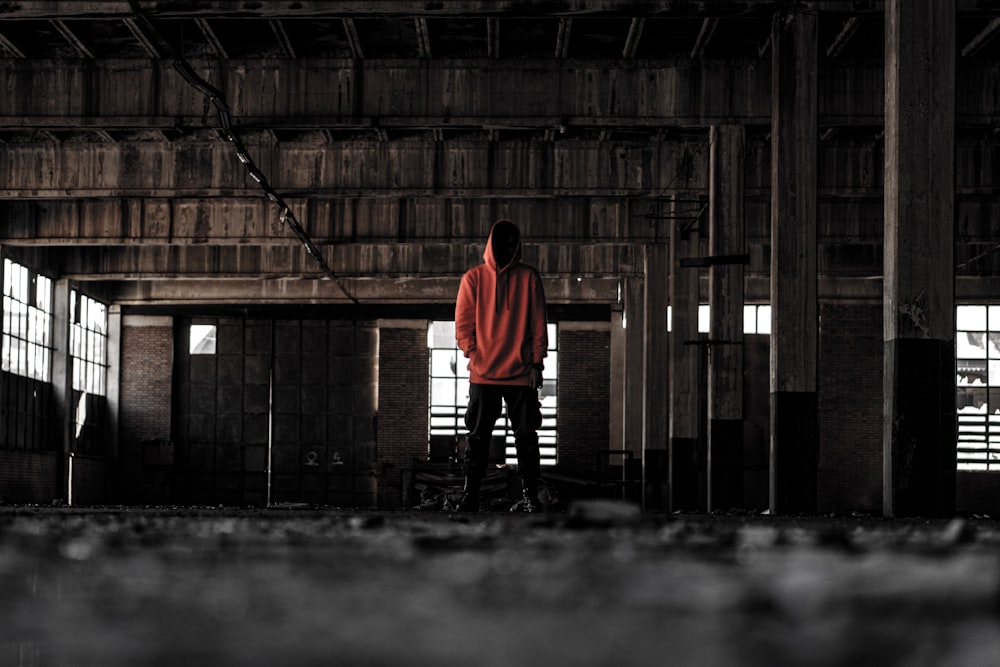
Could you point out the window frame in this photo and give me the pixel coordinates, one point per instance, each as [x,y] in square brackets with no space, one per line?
[446,418]
[88,343]
[977,387]
[28,299]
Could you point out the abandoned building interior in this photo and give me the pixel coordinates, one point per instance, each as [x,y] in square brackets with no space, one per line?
[232,235]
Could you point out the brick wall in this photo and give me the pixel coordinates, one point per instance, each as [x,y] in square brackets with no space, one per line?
[146,374]
[584,403]
[850,407]
[402,404]
[28,477]
[147,351]
[91,482]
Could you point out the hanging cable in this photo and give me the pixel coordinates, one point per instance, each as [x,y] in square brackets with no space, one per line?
[218,100]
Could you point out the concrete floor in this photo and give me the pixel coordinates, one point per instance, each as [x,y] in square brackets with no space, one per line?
[598,585]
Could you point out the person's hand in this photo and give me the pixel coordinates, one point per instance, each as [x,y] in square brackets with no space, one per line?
[535,379]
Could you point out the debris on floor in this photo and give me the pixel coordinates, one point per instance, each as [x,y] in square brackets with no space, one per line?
[602,584]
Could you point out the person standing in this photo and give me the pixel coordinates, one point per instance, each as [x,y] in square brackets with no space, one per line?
[500,326]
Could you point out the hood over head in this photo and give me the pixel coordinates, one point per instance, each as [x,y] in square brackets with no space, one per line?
[503,248]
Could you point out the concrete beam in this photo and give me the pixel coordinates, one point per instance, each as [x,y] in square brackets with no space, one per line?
[322,291]
[404,260]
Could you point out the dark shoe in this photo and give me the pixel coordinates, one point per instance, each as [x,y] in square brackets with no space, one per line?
[468,503]
[525,504]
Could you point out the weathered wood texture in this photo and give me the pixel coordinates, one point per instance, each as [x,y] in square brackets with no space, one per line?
[251,220]
[321,8]
[398,168]
[132,94]
[332,93]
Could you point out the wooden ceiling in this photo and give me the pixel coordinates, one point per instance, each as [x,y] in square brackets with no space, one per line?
[395,131]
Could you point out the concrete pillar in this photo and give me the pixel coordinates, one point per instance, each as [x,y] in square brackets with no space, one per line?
[634,318]
[794,146]
[655,472]
[62,381]
[616,411]
[918,288]
[725,352]
[114,377]
[685,372]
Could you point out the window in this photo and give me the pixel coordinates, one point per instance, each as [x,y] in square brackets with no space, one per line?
[88,342]
[27,322]
[449,393]
[202,339]
[977,361]
[756,319]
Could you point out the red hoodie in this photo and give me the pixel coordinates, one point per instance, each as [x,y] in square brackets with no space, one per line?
[500,319]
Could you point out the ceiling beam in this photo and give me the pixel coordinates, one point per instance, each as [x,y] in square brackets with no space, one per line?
[278,28]
[72,38]
[342,93]
[347,260]
[847,31]
[213,39]
[138,31]
[562,38]
[701,42]
[33,9]
[492,37]
[11,46]
[633,38]
[981,39]
[311,291]
[423,38]
[351,32]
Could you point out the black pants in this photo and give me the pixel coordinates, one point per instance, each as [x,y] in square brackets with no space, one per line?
[525,415]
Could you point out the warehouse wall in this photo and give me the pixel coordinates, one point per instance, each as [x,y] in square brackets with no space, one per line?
[147,357]
[850,407]
[387,362]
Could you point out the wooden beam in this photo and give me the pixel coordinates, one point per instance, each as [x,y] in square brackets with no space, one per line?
[287,93]
[11,46]
[423,37]
[351,31]
[492,37]
[708,26]
[395,168]
[562,38]
[72,38]
[278,28]
[192,220]
[634,37]
[32,9]
[981,39]
[140,33]
[210,36]
[839,42]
